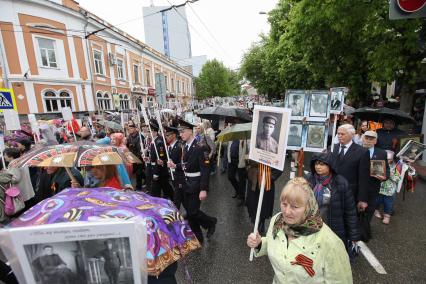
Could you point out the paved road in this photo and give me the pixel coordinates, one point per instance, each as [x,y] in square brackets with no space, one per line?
[400,246]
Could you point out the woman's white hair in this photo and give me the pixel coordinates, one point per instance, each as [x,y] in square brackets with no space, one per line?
[348,128]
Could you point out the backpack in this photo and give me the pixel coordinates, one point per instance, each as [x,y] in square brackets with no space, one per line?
[13,200]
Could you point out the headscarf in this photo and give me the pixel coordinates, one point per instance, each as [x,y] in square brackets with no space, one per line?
[310,224]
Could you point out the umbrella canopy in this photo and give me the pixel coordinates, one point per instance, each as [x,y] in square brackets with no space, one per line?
[348,110]
[236,132]
[225,112]
[74,154]
[379,114]
[169,237]
[111,124]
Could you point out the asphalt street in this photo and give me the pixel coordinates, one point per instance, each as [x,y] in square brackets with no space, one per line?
[400,247]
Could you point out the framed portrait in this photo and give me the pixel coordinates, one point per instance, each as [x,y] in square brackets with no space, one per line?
[337,96]
[79,252]
[402,140]
[378,168]
[269,135]
[411,151]
[318,104]
[316,136]
[296,101]
[295,135]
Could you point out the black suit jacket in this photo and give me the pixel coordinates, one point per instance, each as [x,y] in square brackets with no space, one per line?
[176,155]
[369,187]
[161,149]
[349,166]
[196,160]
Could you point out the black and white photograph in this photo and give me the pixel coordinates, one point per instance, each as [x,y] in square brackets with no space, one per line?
[411,151]
[377,168]
[337,99]
[318,106]
[296,102]
[66,255]
[295,134]
[316,135]
[269,135]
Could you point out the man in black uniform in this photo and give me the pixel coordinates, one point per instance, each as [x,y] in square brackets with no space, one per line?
[195,165]
[134,145]
[174,147]
[160,182]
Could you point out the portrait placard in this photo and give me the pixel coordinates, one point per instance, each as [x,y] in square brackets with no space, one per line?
[402,140]
[316,136]
[318,104]
[78,252]
[411,151]
[269,135]
[378,168]
[295,136]
[337,99]
[296,101]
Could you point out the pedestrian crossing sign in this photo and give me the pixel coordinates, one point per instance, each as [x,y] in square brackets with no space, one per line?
[7,99]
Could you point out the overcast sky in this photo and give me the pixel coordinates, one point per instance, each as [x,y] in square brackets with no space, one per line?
[234,23]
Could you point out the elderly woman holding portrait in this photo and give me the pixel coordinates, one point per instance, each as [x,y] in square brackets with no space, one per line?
[335,199]
[301,248]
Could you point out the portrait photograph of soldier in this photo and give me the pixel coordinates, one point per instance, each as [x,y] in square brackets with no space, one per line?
[411,151]
[318,104]
[336,105]
[268,132]
[295,135]
[296,102]
[315,136]
[377,168]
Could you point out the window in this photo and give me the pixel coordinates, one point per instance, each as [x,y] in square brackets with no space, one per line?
[99,66]
[150,101]
[173,85]
[183,87]
[124,101]
[167,83]
[47,52]
[120,70]
[178,86]
[104,101]
[54,103]
[148,77]
[136,73]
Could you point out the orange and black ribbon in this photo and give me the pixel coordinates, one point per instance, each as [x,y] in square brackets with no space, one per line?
[263,168]
[306,262]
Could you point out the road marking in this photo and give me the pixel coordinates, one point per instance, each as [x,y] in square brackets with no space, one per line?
[371,258]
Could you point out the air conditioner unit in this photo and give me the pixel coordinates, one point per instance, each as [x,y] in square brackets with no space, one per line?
[111,58]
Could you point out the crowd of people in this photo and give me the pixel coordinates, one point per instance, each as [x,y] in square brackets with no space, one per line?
[322,217]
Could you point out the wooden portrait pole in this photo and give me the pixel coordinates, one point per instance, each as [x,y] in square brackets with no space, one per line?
[300,159]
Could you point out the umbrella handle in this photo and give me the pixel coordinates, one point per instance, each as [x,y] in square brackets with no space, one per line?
[72,177]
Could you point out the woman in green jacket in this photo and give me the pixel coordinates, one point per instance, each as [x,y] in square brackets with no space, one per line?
[301,248]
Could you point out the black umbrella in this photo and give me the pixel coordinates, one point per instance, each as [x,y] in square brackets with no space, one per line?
[380,114]
[226,112]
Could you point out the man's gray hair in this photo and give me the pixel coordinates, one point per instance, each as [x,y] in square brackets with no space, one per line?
[348,128]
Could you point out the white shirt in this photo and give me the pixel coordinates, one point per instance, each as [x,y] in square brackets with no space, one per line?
[346,147]
[188,145]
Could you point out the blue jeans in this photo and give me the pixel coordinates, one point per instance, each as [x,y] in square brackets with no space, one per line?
[387,202]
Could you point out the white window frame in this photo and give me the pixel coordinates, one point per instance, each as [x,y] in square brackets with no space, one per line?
[99,63]
[55,51]
[104,101]
[48,101]
[124,101]
[136,72]
[120,67]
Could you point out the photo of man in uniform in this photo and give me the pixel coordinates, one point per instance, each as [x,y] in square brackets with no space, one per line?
[336,100]
[318,105]
[378,168]
[112,261]
[295,136]
[264,140]
[315,136]
[51,269]
[296,105]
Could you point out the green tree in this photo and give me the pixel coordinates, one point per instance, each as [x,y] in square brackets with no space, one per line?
[216,80]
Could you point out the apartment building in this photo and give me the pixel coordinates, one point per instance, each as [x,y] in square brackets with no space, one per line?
[56,54]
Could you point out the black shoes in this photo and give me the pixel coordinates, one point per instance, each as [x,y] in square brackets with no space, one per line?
[212,228]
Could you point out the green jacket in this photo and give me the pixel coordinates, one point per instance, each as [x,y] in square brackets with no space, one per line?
[330,259]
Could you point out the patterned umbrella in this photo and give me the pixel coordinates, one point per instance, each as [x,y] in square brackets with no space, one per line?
[169,237]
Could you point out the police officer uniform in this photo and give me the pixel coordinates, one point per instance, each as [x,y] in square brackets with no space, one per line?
[160,182]
[195,165]
[175,155]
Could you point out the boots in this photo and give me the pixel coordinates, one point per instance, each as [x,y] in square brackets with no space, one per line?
[386,219]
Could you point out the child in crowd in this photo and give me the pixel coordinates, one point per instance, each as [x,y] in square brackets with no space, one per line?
[388,190]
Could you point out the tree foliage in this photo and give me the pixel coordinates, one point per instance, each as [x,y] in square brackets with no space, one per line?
[216,80]
[320,44]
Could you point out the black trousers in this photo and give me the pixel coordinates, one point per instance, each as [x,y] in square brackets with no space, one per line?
[178,195]
[165,277]
[240,184]
[148,177]
[138,171]
[162,185]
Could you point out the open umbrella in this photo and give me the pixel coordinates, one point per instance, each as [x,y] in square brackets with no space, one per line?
[225,112]
[111,124]
[379,114]
[169,237]
[240,131]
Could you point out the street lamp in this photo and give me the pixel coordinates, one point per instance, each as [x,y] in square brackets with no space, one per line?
[262,13]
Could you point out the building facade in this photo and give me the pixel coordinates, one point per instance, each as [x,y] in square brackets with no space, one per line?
[56,54]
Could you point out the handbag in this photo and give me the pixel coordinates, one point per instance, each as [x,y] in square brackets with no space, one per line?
[13,200]
[365,228]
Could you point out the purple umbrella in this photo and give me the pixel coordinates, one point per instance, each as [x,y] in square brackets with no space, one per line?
[169,237]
